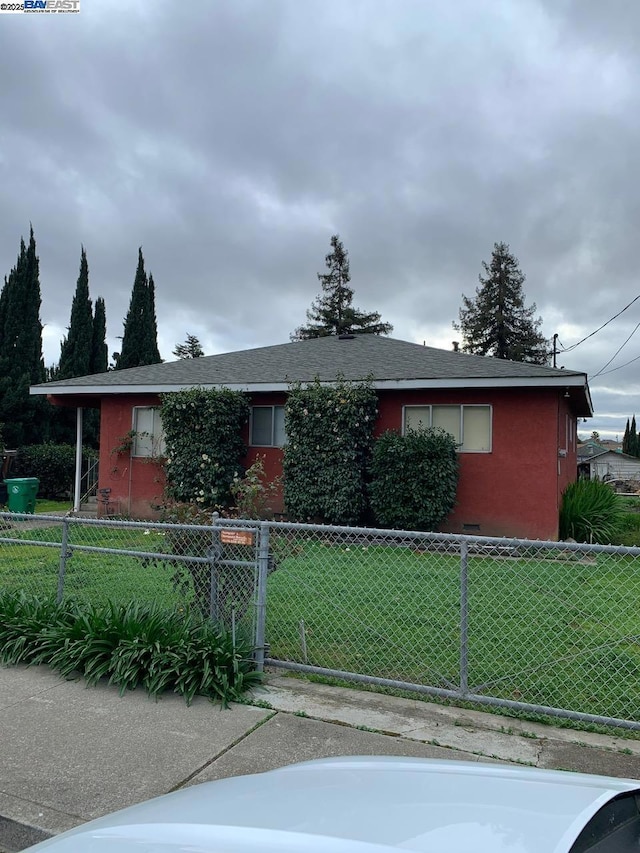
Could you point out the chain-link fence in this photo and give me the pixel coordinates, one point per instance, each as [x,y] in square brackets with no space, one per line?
[516,624]
[536,626]
[168,565]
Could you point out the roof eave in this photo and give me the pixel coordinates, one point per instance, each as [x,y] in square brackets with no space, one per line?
[566,380]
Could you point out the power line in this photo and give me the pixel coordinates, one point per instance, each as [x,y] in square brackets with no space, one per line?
[613,369]
[600,328]
[620,348]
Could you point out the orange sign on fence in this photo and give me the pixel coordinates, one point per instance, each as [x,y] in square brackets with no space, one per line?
[236,537]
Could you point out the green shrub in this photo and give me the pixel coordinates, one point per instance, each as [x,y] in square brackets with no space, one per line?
[329,442]
[204,445]
[132,645]
[414,478]
[589,512]
[53,464]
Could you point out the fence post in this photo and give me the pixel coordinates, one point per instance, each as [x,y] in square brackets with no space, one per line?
[261,595]
[464,617]
[214,554]
[64,554]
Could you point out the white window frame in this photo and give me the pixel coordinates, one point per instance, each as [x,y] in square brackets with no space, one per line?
[273,443]
[147,444]
[461,407]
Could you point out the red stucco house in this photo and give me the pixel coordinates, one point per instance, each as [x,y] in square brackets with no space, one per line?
[498,410]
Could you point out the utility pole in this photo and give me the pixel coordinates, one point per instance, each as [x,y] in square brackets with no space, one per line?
[555,348]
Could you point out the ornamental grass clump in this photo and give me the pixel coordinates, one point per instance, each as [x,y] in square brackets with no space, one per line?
[132,645]
[590,512]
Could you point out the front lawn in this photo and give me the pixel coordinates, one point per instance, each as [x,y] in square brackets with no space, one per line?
[543,629]
[553,632]
[94,577]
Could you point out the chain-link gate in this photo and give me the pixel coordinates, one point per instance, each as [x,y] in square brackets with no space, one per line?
[200,568]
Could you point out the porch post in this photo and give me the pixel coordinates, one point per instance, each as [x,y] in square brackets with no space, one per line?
[78,480]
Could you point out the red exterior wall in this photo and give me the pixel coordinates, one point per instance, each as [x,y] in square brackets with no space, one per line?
[271,456]
[136,484]
[514,490]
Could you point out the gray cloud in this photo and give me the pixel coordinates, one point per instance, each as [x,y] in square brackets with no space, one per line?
[231,138]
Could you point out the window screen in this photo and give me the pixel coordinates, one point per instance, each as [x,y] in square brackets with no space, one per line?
[448,419]
[149,436]
[476,428]
[417,417]
[469,425]
[267,426]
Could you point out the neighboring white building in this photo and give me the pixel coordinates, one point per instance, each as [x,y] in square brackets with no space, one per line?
[609,465]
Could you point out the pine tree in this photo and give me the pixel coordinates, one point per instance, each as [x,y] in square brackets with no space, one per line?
[98,362]
[75,352]
[332,312]
[140,338]
[25,419]
[191,348]
[496,322]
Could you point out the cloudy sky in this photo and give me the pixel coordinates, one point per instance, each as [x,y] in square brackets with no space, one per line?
[231,138]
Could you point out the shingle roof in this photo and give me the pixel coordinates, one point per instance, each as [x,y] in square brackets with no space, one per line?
[356,358]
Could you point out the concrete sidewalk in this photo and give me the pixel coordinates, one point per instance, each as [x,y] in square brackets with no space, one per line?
[69,753]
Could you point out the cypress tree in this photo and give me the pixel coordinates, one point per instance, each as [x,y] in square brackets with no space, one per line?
[75,352]
[80,355]
[153,353]
[25,419]
[634,445]
[625,440]
[140,338]
[98,362]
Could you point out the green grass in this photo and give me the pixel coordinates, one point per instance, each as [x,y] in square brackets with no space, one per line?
[45,506]
[540,631]
[629,520]
[94,577]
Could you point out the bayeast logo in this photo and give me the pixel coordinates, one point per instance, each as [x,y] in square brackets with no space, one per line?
[51,6]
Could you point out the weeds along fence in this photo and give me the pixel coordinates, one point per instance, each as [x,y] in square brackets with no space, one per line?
[543,627]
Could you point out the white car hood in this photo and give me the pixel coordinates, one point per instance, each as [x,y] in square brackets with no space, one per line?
[359,805]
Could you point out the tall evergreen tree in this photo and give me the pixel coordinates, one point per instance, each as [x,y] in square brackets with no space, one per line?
[75,352]
[99,360]
[496,322]
[191,348]
[332,312]
[140,338]
[25,419]
[83,352]
[625,439]
[634,443]
[152,324]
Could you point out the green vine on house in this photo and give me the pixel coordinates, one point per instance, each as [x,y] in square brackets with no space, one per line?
[204,443]
[329,445]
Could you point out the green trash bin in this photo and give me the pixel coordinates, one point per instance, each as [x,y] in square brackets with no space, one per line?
[22,493]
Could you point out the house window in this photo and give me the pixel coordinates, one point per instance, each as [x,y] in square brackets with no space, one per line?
[267,426]
[148,439]
[469,425]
